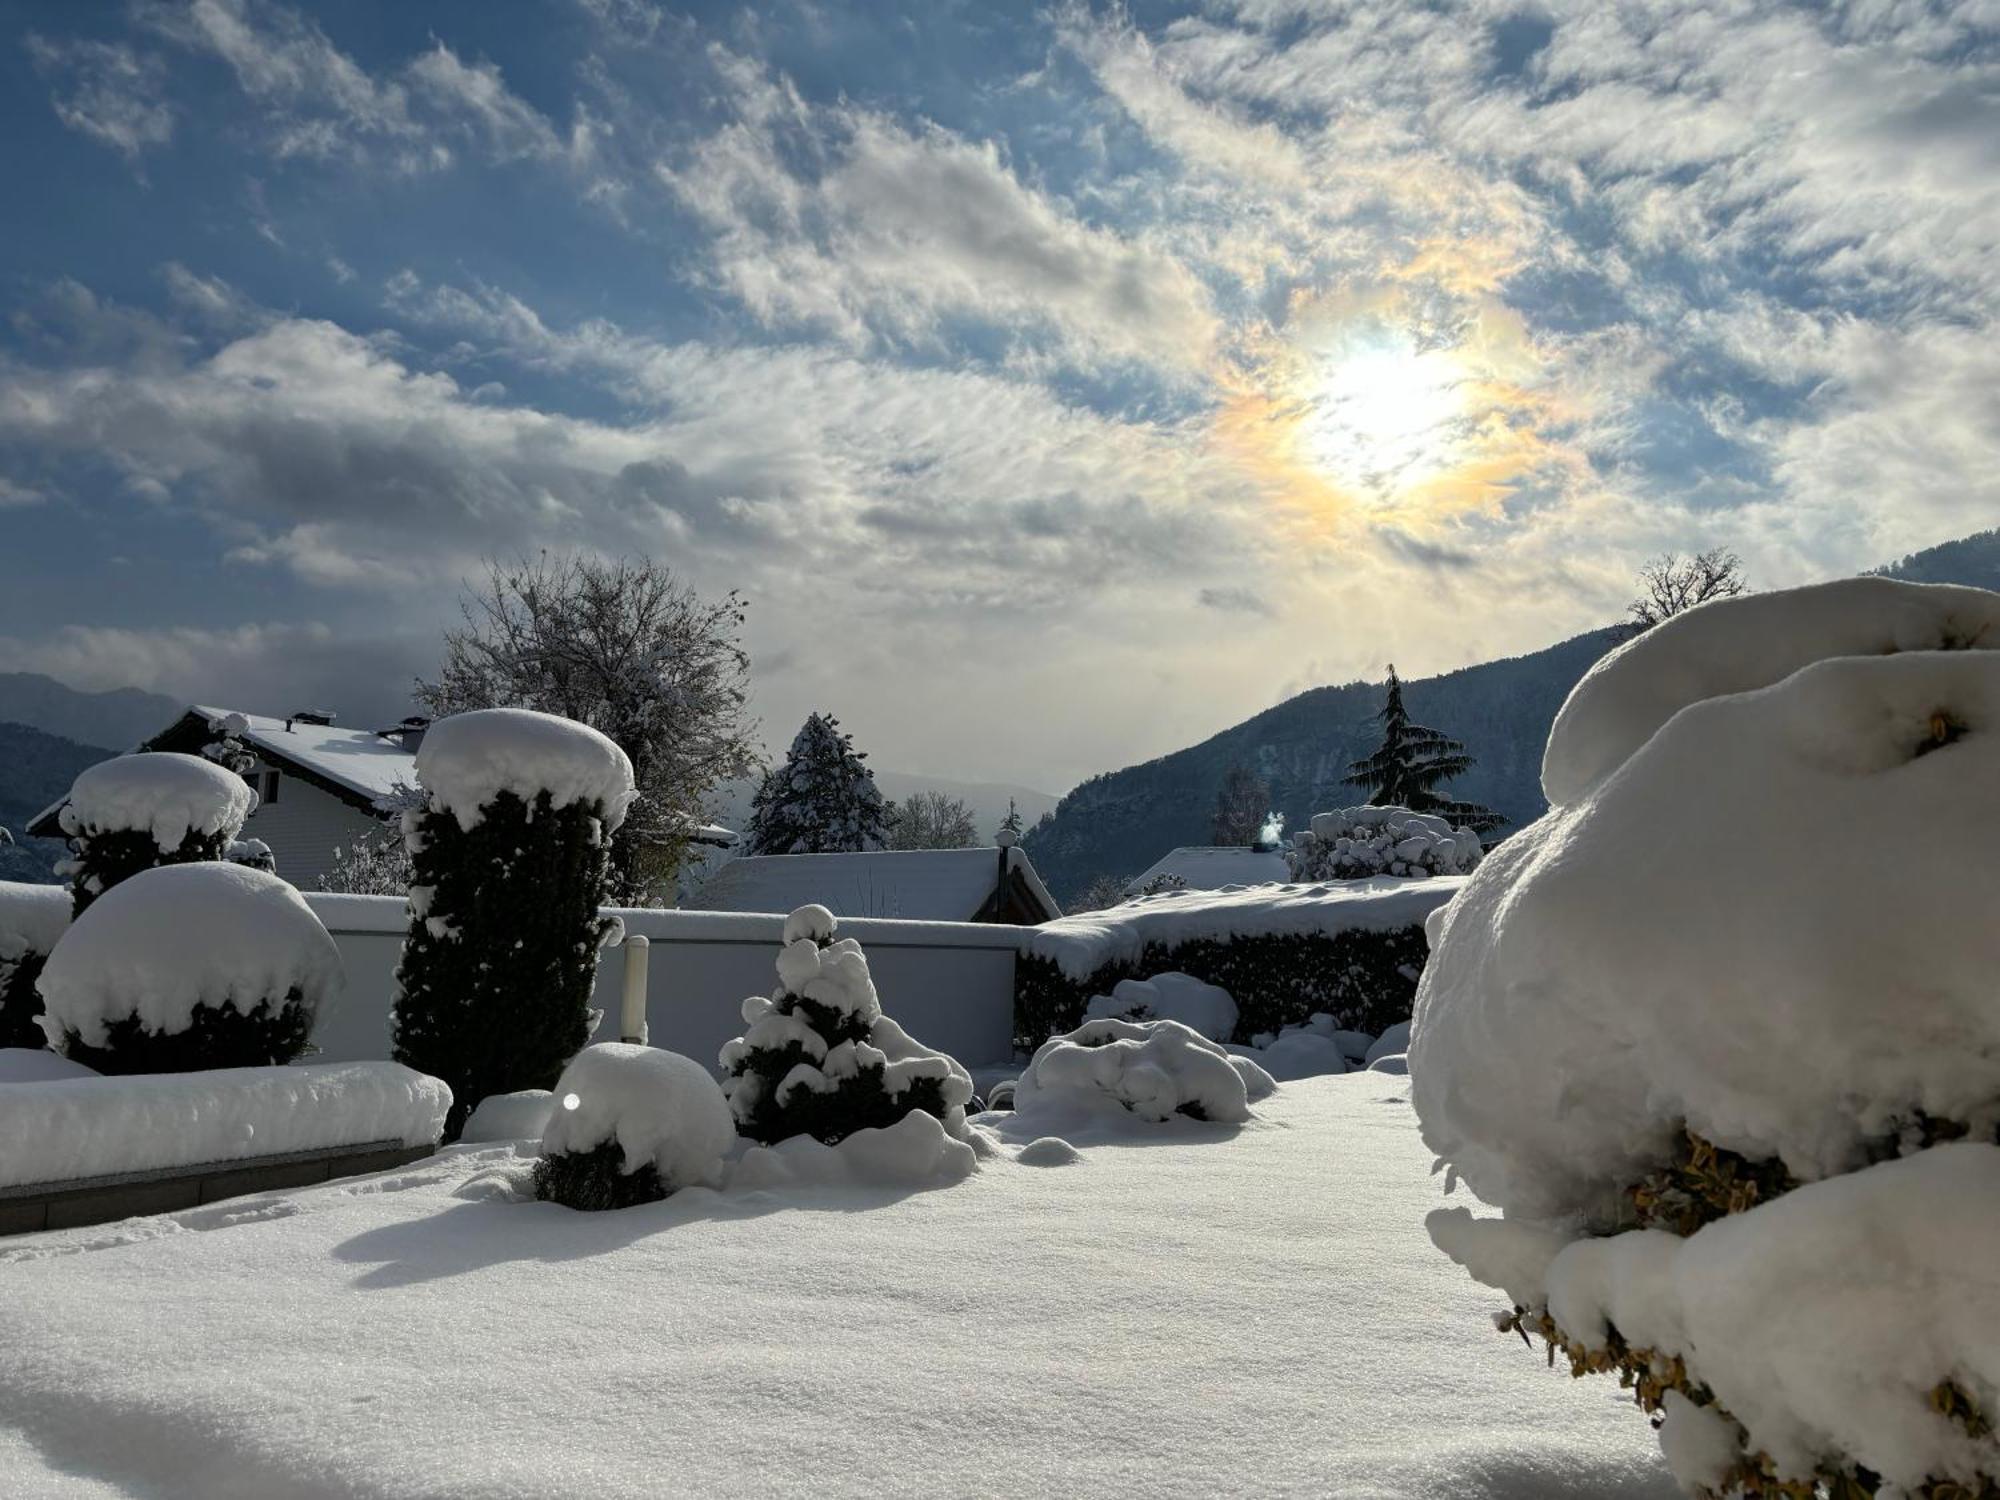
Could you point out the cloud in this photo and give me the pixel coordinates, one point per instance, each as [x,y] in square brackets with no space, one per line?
[1235,601]
[108,91]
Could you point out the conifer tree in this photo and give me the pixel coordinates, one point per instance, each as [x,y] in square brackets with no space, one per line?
[1411,762]
[1013,822]
[821,800]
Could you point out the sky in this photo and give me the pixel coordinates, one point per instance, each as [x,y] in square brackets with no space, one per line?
[1059,384]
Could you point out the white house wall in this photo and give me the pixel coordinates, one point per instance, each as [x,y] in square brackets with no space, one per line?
[304,826]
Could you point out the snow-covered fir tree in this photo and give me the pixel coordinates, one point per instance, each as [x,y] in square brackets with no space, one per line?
[821,800]
[1013,823]
[1411,763]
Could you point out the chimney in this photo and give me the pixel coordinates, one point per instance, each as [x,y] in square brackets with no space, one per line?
[410,733]
[309,716]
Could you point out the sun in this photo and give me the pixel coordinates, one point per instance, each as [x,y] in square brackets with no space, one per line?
[1382,415]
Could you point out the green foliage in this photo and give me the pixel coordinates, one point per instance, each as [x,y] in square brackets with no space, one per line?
[19,1002]
[1411,762]
[102,860]
[494,986]
[821,800]
[220,1036]
[1366,980]
[595,1180]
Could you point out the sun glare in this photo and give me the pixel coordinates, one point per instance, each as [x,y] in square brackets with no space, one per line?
[1382,416]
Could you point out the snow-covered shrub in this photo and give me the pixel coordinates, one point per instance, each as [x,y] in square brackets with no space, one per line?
[1357,842]
[136,812]
[1311,1049]
[253,854]
[631,1124]
[1152,1069]
[32,919]
[1742,1122]
[821,1060]
[188,967]
[1206,1008]
[509,855]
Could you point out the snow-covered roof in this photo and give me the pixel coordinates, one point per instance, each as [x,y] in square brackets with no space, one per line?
[925,885]
[1209,867]
[363,761]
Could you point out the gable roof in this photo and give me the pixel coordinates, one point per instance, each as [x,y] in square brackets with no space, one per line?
[1210,867]
[924,885]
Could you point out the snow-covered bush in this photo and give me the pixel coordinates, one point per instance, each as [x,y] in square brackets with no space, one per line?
[509,855]
[1205,1008]
[1315,1047]
[32,919]
[1152,1069]
[188,967]
[821,1060]
[1357,842]
[632,1124]
[136,812]
[1742,1120]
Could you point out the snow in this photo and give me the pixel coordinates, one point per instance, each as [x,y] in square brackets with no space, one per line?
[664,1110]
[917,1151]
[1391,1043]
[469,759]
[1208,867]
[1083,944]
[1357,842]
[921,885]
[1735,645]
[1627,963]
[1306,1050]
[1206,1008]
[431,1333]
[179,936]
[38,1065]
[32,918]
[1151,1070]
[521,1116]
[85,1127]
[160,793]
[376,768]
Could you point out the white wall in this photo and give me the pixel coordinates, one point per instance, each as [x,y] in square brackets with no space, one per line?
[304,826]
[950,984]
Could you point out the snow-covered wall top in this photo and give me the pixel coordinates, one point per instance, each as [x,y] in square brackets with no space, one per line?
[85,1127]
[172,938]
[469,759]
[32,918]
[1083,944]
[161,793]
[1734,645]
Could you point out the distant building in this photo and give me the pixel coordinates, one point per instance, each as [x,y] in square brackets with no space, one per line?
[925,885]
[1210,867]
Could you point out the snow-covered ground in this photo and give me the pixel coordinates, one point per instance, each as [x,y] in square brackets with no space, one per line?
[1188,1309]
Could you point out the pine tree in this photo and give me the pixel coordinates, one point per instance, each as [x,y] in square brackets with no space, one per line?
[1241,807]
[822,800]
[1410,763]
[1013,822]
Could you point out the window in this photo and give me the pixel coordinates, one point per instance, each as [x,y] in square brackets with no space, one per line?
[269,793]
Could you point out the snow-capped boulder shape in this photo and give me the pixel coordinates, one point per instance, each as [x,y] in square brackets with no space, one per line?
[520,1116]
[161,794]
[1205,1008]
[1751,641]
[1313,1049]
[632,1124]
[820,1059]
[469,759]
[39,1065]
[188,967]
[32,919]
[1154,1070]
[916,1151]
[1355,843]
[1395,1042]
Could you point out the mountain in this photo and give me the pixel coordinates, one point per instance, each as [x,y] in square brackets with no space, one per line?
[38,769]
[1973,559]
[121,717]
[987,799]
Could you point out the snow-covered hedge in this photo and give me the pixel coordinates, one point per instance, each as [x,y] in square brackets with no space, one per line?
[32,919]
[1206,1008]
[1742,1122]
[632,1124]
[821,1060]
[136,812]
[1351,949]
[1156,1070]
[188,967]
[1357,842]
[509,853]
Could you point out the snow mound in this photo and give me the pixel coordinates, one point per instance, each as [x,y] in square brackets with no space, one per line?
[1048,1151]
[1152,1069]
[86,1127]
[1201,1007]
[1735,645]
[176,937]
[39,1065]
[160,793]
[469,759]
[1310,1050]
[916,1151]
[32,919]
[1622,967]
[666,1111]
[1393,1042]
[1397,1063]
[1357,842]
[520,1116]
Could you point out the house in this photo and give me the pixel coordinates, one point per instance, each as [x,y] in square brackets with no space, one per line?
[925,885]
[319,787]
[1210,867]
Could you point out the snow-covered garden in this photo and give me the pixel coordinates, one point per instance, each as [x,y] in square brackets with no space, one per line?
[1712,1045]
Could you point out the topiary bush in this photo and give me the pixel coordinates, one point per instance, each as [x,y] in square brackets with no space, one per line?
[631,1124]
[138,812]
[32,920]
[821,1060]
[509,856]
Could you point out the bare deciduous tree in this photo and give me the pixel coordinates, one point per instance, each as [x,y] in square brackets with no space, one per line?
[931,820]
[1671,583]
[627,649]
[1240,808]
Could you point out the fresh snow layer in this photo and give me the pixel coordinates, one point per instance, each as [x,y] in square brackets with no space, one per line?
[1356,842]
[32,919]
[664,1110]
[178,936]
[915,1152]
[1306,1050]
[1206,1008]
[39,1065]
[1735,645]
[469,759]
[520,1116]
[86,1127]
[1029,1331]
[1153,1070]
[1085,943]
[160,793]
